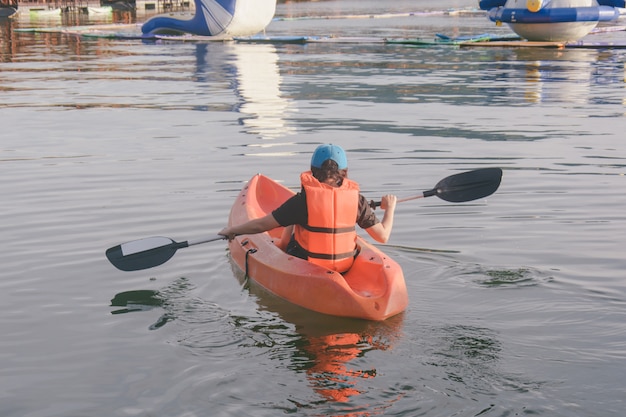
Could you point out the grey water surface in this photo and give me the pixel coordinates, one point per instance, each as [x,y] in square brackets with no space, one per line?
[517,301]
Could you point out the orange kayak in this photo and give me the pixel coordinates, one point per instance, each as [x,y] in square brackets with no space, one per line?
[373,288]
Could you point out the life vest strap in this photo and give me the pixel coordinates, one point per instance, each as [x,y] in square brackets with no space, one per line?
[328,257]
[329,229]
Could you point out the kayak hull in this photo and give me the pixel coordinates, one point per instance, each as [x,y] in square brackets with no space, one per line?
[373,288]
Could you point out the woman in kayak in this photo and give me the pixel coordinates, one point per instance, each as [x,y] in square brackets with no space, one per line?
[320,220]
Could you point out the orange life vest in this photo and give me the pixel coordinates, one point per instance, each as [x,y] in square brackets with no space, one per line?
[329,238]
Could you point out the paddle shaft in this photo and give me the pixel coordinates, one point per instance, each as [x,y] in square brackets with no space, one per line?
[415,197]
[374,204]
[205,240]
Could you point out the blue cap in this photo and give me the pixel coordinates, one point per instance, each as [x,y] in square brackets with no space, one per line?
[329,151]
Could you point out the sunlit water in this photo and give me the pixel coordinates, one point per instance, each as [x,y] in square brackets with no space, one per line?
[517,301]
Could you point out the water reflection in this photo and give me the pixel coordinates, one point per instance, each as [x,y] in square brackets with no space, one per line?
[545,78]
[556,76]
[258,86]
[330,351]
[251,71]
[514,76]
[255,79]
[327,349]
[13,43]
[468,358]
[503,277]
[266,100]
[141,300]
[537,75]
[137,300]
[8,46]
[333,369]
[95,15]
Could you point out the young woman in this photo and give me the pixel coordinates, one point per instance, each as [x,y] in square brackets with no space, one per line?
[320,220]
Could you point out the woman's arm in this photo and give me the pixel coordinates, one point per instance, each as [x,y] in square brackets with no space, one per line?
[260,225]
[381,231]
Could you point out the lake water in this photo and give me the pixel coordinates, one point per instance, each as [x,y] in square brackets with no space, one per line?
[517,301]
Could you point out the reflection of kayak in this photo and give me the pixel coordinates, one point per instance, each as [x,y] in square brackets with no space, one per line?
[372,289]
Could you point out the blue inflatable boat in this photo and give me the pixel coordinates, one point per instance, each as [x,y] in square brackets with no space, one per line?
[552,20]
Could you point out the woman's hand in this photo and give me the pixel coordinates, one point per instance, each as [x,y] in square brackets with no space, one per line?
[251,227]
[227,232]
[388,202]
[382,231]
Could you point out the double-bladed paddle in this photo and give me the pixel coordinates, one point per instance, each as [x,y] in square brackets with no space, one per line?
[463,187]
[154,251]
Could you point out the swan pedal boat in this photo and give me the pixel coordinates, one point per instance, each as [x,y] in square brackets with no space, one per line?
[373,288]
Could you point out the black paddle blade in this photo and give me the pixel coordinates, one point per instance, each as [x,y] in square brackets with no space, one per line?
[467,186]
[143,253]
